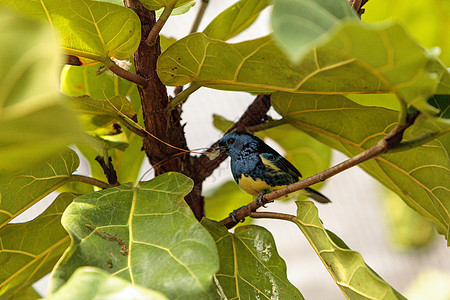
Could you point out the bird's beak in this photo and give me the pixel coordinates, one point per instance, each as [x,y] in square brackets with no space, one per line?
[214,153]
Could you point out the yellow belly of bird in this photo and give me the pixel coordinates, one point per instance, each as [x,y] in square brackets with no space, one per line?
[254,187]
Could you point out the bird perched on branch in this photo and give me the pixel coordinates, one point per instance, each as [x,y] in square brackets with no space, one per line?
[258,169]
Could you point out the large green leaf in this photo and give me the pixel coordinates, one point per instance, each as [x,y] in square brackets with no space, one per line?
[298,24]
[30,250]
[33,120]
[343,63]
[92,283]
[250,267]
[20,191]
[419,176]
[88,29]
[348,269]
[147,235]
[235,19]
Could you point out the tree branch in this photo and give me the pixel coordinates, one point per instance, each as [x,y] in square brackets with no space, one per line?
[108,169]
[390,141]
[271,215]
[130,76]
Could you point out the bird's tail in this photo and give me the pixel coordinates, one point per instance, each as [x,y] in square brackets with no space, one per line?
[315,195]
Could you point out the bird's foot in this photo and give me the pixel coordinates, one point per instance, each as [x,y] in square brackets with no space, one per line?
[259,198]
[232,215]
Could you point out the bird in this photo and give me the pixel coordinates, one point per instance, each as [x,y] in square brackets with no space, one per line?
[258,169]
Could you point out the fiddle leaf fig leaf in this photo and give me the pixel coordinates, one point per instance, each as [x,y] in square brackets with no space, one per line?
[342,63]
[353,276]
[421,180]
[116,107]
[23,189]
[250,267]
[88,29]
[33,255]
[235,19]
[133,225]
[94,283]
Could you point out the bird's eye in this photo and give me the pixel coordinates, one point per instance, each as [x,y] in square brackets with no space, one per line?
[231,141]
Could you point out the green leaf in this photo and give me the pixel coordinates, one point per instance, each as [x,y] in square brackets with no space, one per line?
[30,250]
[179,10]
[420,180]
[299,24]
[157,4]
[119,229]
[20,191]
[235,19]
[115,107]
[92,283]
[348,269]
[34,122]
[88,29]
[250,267]
[341,64]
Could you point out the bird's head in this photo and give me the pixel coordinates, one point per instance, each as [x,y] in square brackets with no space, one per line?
[238,142]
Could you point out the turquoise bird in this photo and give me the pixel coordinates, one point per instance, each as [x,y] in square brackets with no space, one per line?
[258,169]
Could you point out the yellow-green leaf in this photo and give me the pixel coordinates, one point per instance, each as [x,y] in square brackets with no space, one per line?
[121,228]
[30,250]
[21,190]
[250,266]
[419,176]
[88,29]
[348,269]
[235,19]
[116,107]
[341,64]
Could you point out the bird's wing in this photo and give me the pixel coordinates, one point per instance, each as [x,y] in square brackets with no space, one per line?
[273,159]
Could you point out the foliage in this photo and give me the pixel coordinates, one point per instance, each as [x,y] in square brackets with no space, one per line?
[317,64]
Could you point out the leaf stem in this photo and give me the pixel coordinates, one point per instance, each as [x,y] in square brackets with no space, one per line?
[91,181]
[416,142]
[156,29]
[181,97]
[199,16]
[130,76]
[403,112]
[132,128]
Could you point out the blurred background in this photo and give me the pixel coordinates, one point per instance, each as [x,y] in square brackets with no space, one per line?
[401,246]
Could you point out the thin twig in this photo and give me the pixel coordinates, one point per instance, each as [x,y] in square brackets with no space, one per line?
[156,29]
[271,215]
[199,16]
[91,181]
[130,76]
[390,141]
[132,128]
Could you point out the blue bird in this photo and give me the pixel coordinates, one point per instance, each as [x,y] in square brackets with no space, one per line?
[257,168]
